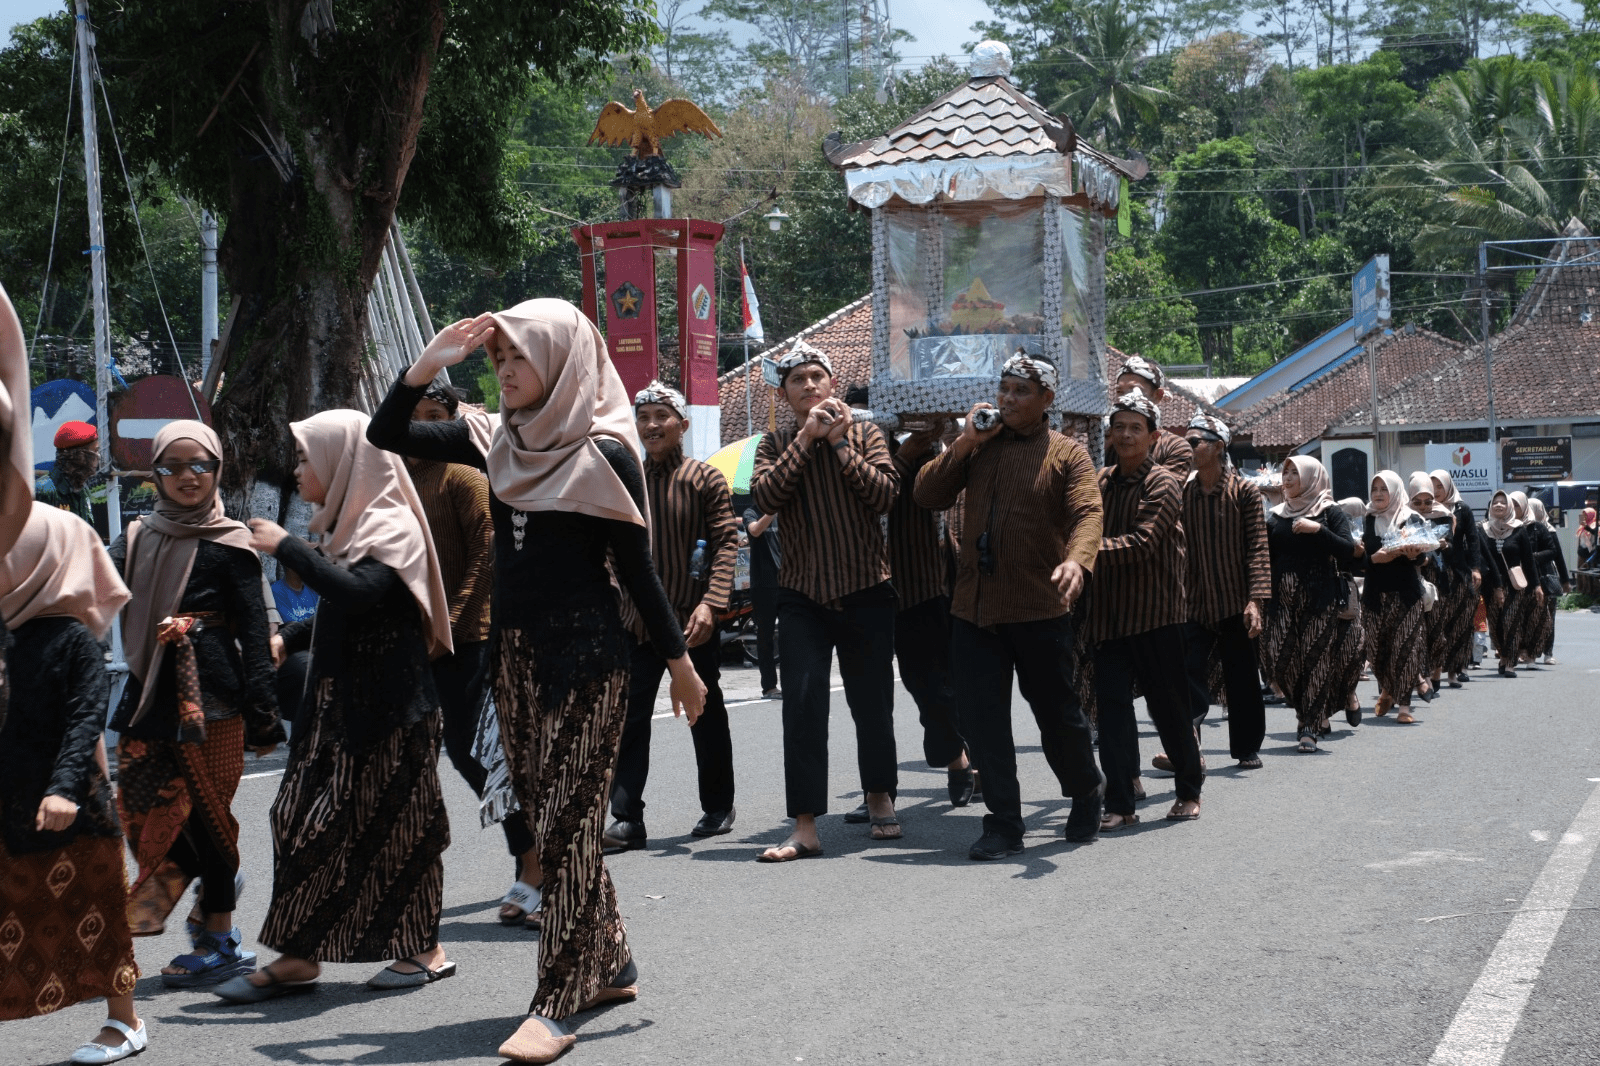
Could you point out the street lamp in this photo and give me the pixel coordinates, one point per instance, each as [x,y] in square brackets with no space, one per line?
[775,219]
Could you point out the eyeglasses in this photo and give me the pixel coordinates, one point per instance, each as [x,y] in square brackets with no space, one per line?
[1195,442]
[986,561]
[199,466]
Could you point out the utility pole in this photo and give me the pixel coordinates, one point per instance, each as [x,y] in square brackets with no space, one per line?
[208,290]
[1488,362]
[98,292]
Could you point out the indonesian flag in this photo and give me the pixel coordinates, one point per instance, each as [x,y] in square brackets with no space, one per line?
[751,306]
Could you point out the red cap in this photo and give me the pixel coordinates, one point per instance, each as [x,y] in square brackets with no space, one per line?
[72,434]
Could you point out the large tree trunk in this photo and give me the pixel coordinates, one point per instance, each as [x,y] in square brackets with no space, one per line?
[307,221]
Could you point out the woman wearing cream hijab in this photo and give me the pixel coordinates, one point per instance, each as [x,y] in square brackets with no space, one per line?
[359,826]
[1391,598]
[1312,654]
[568,492]
[16,450]
[1509,580]
[1462,575]
[1553,580]
[60,847]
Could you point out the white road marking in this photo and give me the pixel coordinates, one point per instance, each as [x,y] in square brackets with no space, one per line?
[263,773]
[1424,858]
[1539,834]
[1482,1028]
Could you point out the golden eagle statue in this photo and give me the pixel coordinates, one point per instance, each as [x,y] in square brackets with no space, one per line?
[645,129]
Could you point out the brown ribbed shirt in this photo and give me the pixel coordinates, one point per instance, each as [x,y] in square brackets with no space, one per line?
[919,556]
[1171,451]
[1139,583]
[830,503]
[1225,533]
[689,501]
[1036,497]
[456,500]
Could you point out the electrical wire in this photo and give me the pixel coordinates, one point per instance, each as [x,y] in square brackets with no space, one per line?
[61,177]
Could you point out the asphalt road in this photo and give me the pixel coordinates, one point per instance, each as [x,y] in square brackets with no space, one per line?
[1330,908]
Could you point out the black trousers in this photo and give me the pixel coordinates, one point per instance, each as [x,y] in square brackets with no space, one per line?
[764,604]
[862,632]
[713,742]
[922,648]
[1152,659]
[1247,714]
[1040,653]
[196,853]
[461,678]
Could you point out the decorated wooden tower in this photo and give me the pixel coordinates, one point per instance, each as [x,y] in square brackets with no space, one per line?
[988,236]
[619,264]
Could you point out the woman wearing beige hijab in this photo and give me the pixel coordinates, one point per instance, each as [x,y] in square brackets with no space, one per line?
[568,493]
[1509,579]
[1553,580]
[1391,596]
[16,450]
[1441,522]
[1462,573]
[1311,653]
[200,691]
[359,826]
[60,846]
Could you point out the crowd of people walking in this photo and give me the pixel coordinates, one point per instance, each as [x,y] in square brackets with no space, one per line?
[548,566]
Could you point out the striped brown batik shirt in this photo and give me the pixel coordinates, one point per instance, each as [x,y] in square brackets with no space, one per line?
[1035,495]
[919,556]
[1171,451]
[830,504]
[1139,583]
[688,502]
[1225,532]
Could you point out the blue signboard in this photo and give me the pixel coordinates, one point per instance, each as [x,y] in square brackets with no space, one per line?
[1370,297]
[55,403]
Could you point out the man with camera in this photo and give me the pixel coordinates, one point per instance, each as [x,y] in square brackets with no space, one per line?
[1030,531]
[830,482]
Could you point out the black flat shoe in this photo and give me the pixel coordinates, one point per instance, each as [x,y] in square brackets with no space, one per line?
[623,836]
[1083,824]
[859,816]
[714,824]
[990,847]
[960,786]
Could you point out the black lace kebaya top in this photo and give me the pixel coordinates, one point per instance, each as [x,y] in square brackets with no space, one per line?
[58,709]
[550,566]
[235,661]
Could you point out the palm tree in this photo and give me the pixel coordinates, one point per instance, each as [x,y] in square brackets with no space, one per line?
[1112,46]
[1507,164]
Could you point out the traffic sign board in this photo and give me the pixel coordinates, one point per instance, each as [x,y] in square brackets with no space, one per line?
[151,403]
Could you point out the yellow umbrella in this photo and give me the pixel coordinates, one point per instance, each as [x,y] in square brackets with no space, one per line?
[736,462]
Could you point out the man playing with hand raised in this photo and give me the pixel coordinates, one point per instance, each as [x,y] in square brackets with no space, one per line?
[1030,531]
[689,504]
[830,482]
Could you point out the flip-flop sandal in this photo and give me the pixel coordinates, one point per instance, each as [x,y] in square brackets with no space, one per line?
[885,823]
[801,851]
[1127,820]
[624,986]
[534,920]
[1175,816]
[390,979]
[243,990]
[524,897]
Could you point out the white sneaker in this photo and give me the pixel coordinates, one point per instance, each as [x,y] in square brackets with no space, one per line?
[138,1040]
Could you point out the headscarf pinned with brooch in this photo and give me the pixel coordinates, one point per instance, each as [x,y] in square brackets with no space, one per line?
[16,431]
[1139,366]
[666,395]
[161,550]
[1141,404]
[1421,482]
[546,456]
[1393,517]
[1452,495]
[1031,368]
[59,568]
[1500,528]
[371,510]
[1316,490]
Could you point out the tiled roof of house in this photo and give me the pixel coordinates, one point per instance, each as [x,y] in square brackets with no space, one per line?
[1543,372]
[844,336]
[1296,416]
[983,117]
